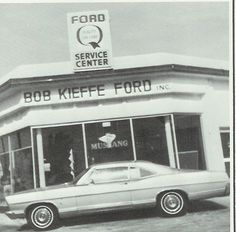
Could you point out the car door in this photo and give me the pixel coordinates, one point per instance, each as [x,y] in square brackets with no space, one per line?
[108,189]
[142,186]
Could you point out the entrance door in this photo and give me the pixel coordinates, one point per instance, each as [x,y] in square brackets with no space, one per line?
[189,141]
[151,139]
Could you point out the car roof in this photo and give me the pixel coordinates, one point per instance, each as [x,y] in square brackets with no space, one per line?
[118,163]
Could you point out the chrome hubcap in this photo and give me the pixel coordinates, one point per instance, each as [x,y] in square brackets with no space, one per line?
[42,217]
[172,203]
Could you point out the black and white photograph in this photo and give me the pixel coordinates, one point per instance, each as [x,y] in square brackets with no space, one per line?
[117,116]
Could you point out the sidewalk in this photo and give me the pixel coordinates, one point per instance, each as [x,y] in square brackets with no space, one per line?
[6,224]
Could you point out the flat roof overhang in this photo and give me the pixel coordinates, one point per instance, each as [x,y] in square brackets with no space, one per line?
[95,75]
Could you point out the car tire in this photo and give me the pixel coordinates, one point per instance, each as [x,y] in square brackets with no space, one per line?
[172,203]
[42,217]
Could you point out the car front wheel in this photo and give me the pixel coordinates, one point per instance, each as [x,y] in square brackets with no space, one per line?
[172,204]
[42,217]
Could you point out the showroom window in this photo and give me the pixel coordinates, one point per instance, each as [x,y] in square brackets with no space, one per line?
[5,177]
[189,141]
[16,164]
[109,141]
[225,142]
[63,153]
[22,160]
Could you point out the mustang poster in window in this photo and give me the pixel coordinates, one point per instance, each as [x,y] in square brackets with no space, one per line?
[89,39]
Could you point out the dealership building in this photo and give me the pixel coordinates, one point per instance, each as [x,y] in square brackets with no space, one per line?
[168,109]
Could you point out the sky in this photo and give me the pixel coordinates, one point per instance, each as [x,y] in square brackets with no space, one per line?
[32,33]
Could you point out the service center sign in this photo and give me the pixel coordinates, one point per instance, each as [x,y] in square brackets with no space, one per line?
[90,41]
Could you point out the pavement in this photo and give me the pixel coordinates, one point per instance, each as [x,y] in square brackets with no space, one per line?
[212,215]
[6,224]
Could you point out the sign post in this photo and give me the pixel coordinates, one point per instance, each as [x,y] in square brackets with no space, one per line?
[90,40]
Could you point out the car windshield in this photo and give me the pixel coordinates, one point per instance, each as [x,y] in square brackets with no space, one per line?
[77,178]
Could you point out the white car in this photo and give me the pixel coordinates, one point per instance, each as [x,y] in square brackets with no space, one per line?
[116,186]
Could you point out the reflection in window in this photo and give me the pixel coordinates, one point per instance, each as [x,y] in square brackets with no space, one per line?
[3,144]
[22,160]
[23,172]
[20,139]
[5,180]
[110,174]
[16,166]
[63,153]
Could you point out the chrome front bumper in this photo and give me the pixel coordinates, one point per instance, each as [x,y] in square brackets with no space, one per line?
[13,215]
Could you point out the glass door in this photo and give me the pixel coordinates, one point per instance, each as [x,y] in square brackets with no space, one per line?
[189,141]
[150,135]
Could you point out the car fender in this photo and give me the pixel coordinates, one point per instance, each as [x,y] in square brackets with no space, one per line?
[33,204]
[184,193]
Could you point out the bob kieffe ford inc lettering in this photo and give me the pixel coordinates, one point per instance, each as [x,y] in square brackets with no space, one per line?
[95,91]
[90,42]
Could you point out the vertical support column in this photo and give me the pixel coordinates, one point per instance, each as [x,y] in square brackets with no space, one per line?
[175,142]
[11,161]
[39,140]
[132,138]
[85,146]
[33,156]
[170,145]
